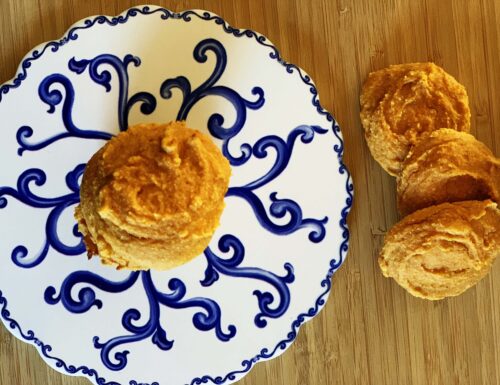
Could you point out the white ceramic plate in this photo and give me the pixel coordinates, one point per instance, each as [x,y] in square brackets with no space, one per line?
[283,233]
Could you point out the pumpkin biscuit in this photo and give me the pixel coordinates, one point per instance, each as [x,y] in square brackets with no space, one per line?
[151,198]
[404,102]
[442,250]
[448,166]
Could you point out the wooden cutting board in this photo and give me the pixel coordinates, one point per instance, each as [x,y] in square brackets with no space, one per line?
[371,331]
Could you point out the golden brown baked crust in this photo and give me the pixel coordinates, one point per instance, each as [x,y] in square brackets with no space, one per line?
[151,198]
[404,102]
[447,166]
[441,251]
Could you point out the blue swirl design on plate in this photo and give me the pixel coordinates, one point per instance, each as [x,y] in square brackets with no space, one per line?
[57,205]
[208,318]
[209,88]
[280,208]
[265,353]
[230,266]
[45,349]
[53,97]
[125,104]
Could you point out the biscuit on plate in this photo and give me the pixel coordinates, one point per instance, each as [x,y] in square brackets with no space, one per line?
[448,166]
[404,102]
[442,250]
[151,198]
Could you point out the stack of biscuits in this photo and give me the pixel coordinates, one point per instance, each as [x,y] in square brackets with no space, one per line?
[417,120]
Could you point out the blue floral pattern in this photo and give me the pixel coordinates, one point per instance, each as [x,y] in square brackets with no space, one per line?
[45,349]
[208,318]
[209,315]
[280,208]
[230,266]
[210,87]
[53,97]
[24,194]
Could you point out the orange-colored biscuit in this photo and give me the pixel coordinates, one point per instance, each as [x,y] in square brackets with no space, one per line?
[152,197]
[404,102]
[442,250]
[447,166]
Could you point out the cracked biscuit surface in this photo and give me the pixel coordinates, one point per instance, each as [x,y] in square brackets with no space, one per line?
[402,103]
[447,166]
[442,250]
[151,198]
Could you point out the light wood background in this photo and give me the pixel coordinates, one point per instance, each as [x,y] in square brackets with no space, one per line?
[371,331]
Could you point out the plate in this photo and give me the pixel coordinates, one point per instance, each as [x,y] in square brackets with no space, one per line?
[282,236]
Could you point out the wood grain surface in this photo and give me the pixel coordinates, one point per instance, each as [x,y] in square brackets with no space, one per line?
[371,331]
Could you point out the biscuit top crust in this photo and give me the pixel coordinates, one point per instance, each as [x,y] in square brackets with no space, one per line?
[170,175]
